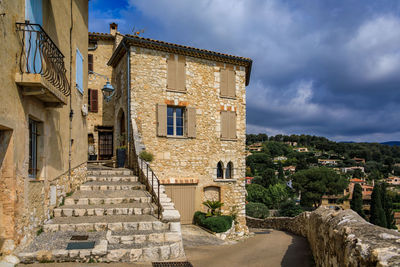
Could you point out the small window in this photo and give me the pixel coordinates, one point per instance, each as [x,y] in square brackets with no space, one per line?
[220,170]
[229,171]
[175,121]
[90,62]
[33,148]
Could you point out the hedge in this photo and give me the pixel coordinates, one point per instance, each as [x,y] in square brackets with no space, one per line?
[257,210]
[217,224]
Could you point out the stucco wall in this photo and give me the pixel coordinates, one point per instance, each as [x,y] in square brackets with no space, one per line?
[340,238]
[26,206]
[190,158]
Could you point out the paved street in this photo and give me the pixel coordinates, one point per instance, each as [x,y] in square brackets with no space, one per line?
[267,248]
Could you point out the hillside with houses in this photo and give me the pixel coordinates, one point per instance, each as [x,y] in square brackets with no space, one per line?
[300,162]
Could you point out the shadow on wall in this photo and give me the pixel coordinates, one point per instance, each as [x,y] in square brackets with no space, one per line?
[298,254]
[56,160]
[5,137]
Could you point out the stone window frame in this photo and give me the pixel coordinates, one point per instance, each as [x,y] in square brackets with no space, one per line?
[223,178]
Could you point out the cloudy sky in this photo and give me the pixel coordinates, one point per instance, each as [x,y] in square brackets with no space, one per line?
[329,68]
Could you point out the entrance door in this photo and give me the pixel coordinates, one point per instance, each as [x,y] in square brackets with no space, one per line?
[183,198]
[105,145]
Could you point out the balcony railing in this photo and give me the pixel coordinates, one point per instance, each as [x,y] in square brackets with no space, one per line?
[40,55]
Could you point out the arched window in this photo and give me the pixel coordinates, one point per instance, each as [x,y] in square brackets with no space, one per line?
[229,170]
[220,170]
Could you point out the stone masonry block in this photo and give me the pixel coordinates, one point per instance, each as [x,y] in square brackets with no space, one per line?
[135,255]
[145,226]
[115,227]
[151,254]
[165,252]
[50,227]
[130,225]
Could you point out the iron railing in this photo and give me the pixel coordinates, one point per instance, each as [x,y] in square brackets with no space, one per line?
[150,180]
[40,55]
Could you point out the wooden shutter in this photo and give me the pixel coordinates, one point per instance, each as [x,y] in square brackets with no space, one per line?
[191,122]
[224,125]
[94,100]
[90,62]
[161,120]
[232,125]
[231,88]
[181,74]
[223,82]
[171,72]
[79,71]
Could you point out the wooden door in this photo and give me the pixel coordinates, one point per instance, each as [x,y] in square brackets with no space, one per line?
[183,197]
[105,145]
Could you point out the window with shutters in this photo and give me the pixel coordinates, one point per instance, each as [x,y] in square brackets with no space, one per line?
[175,121]
[228,125]
[90,62]
[93,100]
[176,77]
[228,82]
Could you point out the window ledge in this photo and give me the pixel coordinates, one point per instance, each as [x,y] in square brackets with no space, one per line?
[228,97]
[36,180]
[177,137]
[176,91]
[227,139]
[225,180]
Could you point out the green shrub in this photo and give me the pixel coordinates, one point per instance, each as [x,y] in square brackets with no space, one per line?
[257,210]
[218,224]
[290,209]
[257,193]
[147,156]
[199,218]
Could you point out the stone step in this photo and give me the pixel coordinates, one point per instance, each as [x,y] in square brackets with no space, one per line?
[126,178]
[110,185]
[111,172]
[140,236]
[99,197]
[52,247]
[135,208]
[104,223]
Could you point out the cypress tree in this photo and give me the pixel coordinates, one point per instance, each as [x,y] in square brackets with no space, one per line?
[387,207]
[378,216]
[281,175]
[356,203]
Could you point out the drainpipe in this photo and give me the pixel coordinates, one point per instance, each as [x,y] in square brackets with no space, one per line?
[71,112]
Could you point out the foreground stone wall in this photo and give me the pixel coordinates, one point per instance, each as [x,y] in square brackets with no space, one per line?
[340,238]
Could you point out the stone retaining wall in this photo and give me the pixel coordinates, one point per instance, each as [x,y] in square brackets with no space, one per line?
[340,237]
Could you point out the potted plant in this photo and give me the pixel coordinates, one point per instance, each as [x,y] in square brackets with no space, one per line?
[121,152]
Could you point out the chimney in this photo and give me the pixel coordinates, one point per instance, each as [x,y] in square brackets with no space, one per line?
[113,28]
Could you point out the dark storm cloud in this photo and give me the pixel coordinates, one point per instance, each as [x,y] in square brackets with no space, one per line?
[328,68]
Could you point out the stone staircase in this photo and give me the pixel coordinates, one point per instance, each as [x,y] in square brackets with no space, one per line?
[114,220]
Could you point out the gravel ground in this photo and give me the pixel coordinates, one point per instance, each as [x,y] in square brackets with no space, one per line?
[110,194]
[104,219]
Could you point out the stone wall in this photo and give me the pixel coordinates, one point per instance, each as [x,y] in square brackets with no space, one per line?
[180,159]
[340,237]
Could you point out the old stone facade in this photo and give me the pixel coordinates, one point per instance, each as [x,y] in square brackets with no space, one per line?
[42,126]
[192,156]
[100,120]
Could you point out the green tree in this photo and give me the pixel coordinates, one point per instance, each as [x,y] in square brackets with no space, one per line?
[257,193]
[301,164]
[268,178]
[387,206]
[278,194]
[356,203]
[281,175]
[378,216]
[314,183]
[290,209]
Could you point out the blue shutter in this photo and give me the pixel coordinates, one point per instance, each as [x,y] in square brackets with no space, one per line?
[79,71]
[33,13]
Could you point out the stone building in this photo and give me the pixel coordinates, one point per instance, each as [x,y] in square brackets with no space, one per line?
[42,114]
[187,107]
[100,119]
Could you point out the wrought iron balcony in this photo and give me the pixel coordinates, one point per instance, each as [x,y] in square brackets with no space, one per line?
[41,66]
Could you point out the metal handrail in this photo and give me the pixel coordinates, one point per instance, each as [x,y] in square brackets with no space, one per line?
[40,55]
[144,171]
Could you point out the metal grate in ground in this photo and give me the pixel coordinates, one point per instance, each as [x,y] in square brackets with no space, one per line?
[172,264]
